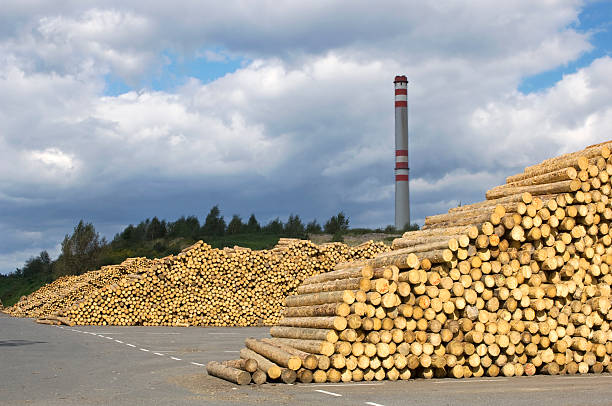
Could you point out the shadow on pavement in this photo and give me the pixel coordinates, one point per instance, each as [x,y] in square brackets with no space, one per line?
[18,343]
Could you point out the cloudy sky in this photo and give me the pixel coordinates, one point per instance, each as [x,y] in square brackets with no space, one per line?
[117,111]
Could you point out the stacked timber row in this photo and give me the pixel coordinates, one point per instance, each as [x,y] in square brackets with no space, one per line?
[48,301]
[202,286]
[515,285]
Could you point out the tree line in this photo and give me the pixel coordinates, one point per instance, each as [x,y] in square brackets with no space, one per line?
[215,225]
[85,249]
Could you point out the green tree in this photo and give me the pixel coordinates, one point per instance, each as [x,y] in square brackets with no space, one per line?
[411,227]
[337,224]
[253,225]
[274,227]
[314,227]
[185,227]
[294,227]
[37,267]
[235,226]
[214,225]
[156,229]
[81,251]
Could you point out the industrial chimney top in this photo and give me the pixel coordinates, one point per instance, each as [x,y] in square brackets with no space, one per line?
[400,79]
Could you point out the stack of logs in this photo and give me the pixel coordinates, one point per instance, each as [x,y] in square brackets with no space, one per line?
[51,299]
[207,287]
[515,285]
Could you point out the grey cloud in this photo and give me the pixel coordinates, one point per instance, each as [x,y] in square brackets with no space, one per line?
[306,127]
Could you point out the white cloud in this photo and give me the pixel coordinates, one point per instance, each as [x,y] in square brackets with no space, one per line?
[309,120]
[54,158]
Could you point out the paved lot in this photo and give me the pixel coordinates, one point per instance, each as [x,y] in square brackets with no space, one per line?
[48,365]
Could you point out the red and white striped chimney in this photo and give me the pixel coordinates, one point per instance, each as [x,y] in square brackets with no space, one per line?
[402,191]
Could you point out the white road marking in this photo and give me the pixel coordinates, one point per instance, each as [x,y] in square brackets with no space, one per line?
[328,393]
[110,338]
[131,345]
[99,335]
[176,359]
[344,385]
[159,353]
[373,404]
[120,342]
[198,364]
[231,351]
[163,333]
[144,349]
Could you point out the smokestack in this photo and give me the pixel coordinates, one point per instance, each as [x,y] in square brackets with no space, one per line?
[402,191]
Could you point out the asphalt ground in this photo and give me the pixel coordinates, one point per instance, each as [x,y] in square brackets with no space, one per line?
[91,365]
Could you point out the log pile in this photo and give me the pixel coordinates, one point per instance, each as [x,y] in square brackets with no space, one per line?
[202,286]
[54,297]
[516,285]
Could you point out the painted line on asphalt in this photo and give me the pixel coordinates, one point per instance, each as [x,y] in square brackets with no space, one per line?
[373,404]
[231,351]
[328,393]
[344,385]
[158,353]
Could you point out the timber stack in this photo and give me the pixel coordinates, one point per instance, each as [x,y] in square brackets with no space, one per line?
[200,286]
[516,285]
[49,300]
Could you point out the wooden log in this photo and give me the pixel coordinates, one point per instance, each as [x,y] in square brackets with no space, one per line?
[271,369]
[333,322]
[327,309]
[399,243]
[311,346]
[547,188]
[288,376]
[562,174]
[360,271]
[274,354]
[234,375]
[249,365]
[302,333]
[309,361]
[259,377]
[506,202]
[335,285]
[468,230]
[311,299]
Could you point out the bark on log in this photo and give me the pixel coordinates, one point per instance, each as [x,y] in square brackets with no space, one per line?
[274,354]
[565,186]
[310,299]
[234,375]
[270,368]
[249,365]
[333,322]
[327,309]
[312,346]
[361,271]
[333,286]
[309,361]
[328,335]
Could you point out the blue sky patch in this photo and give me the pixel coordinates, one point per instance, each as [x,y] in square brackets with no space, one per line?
[596,18]
[206,65]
